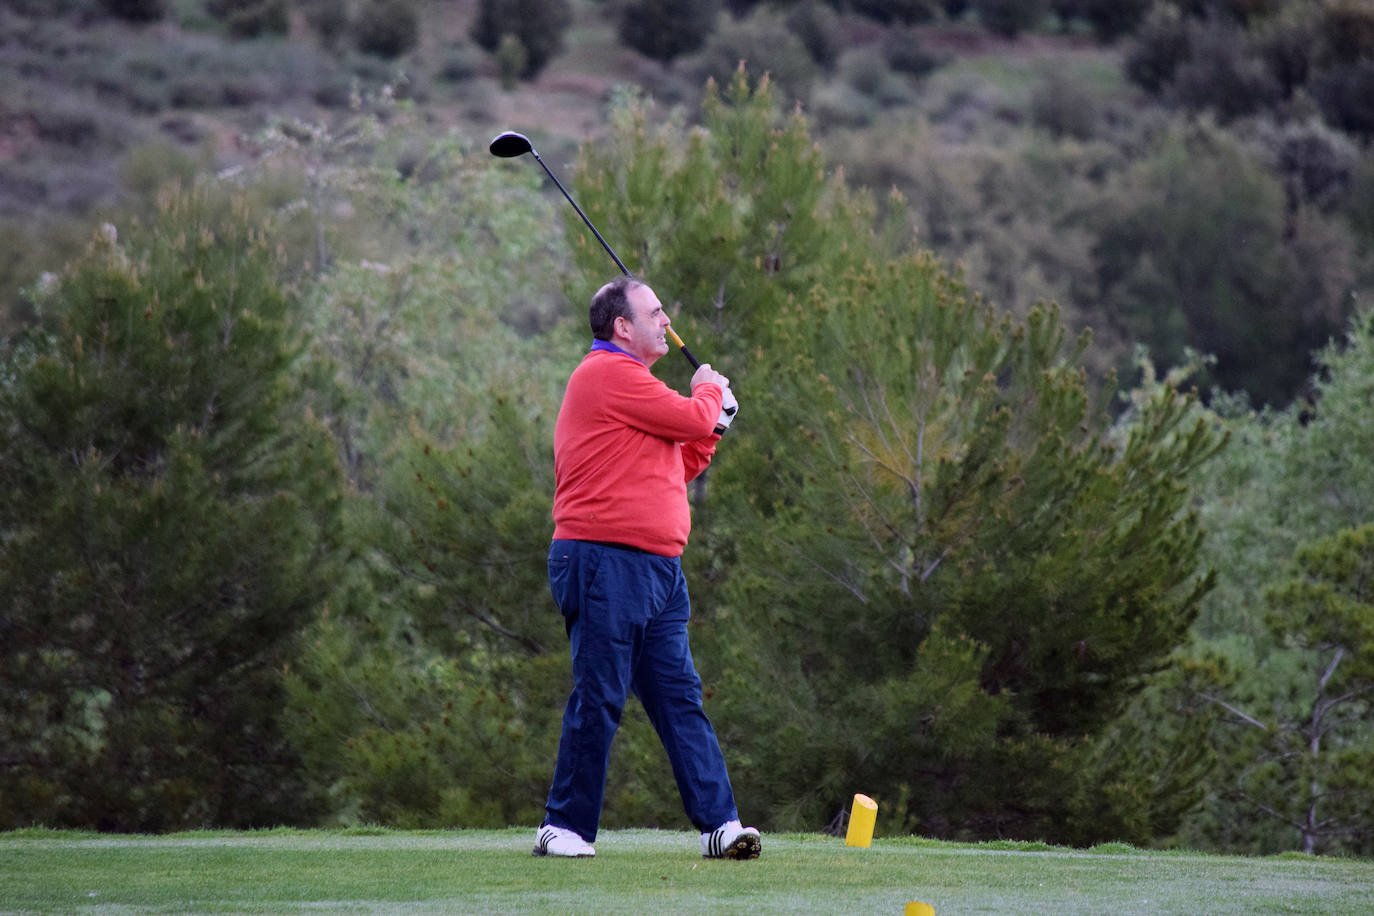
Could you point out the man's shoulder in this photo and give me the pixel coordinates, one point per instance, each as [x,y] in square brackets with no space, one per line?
[607,362]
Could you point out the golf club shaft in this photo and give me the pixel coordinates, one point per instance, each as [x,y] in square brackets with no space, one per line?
[508,145]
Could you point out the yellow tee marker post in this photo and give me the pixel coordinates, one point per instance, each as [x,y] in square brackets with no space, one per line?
[917,908]
[862,816]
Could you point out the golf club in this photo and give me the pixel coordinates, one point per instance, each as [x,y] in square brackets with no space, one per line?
[509,145]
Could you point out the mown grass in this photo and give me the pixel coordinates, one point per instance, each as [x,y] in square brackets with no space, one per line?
[642,871]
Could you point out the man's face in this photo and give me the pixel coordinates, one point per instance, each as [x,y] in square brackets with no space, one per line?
[644,335]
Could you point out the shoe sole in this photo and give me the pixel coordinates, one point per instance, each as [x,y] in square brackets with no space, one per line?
[744,847]
[552,855]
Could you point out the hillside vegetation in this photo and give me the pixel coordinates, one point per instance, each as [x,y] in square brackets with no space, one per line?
[1046,517]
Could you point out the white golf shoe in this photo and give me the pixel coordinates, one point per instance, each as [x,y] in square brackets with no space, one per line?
[731,841]
[558,841]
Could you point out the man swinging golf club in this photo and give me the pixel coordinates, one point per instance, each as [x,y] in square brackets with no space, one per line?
[625,446]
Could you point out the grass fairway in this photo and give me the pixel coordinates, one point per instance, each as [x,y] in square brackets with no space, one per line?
[642,871]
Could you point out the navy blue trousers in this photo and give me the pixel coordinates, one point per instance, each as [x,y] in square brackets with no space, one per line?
[626,613]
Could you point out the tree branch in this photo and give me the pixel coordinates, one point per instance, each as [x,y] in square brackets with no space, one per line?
[1250,720]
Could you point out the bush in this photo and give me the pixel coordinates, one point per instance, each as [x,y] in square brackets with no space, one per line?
[903,11]
[1009,18]
[1289,45]
[763,43]
[538,24]
[816,24]
[1345,93]
[870,76]
[1159,49]
[329,19]
[250,18]
[1347,27]
[460,63]
[1220,75]
[904,52]
[1111,19]
[1202,250]
[387,28]
[136,10]
[837,103]
[149,167]
[511,60]
[1063,106]
[664,29]
[1359,206]
[1316,162]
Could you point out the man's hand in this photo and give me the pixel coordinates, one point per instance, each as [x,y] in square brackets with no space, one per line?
[705,375]
[728,408]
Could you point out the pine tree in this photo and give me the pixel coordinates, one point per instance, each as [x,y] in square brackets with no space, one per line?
[169,526]
[932,562]
[1314,771]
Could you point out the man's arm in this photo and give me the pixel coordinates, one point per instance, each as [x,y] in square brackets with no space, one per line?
[696,455]
[642,401]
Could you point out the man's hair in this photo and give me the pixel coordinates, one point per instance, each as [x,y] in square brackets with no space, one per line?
[611,302]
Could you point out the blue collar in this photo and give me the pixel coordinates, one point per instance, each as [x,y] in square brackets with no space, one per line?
[612,348]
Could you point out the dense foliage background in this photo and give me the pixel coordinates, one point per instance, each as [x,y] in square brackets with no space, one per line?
[283,347]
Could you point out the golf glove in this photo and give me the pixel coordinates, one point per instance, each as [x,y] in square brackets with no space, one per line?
[728,407]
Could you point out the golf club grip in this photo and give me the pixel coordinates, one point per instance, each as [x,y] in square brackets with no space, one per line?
[683,347]
[692,359]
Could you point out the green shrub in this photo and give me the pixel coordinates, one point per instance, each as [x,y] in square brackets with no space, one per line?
[329,19]
[1063,106]
[1317,163]
[538,24]
[836,103]
[1221,75]
[870,76]
[1111,19]
[904,52]
[136,10]
[1199,249]
[511,59]
[51,7]
[1359,205]
[764,44]
[903,11]
[250,18]
[665,29]
[1160,47]
[817,25]
[1237,11]
[149,167]
[460,62]
[1289,44]
[1345,92]
[1347,26]
[1010,18]
[387,28]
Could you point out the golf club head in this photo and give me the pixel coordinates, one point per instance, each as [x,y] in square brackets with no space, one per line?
[509,144]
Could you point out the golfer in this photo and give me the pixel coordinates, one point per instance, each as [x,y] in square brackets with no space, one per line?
[625,446]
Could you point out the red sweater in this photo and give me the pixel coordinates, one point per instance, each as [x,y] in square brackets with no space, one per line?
[624,447]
